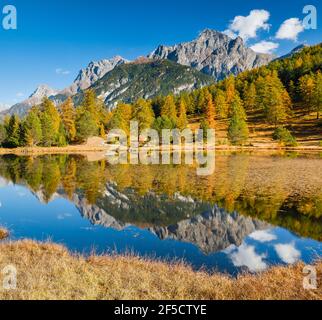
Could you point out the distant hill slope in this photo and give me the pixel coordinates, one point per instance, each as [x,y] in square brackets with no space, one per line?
[35,98]
[147,79]
[293,52]
[85,78]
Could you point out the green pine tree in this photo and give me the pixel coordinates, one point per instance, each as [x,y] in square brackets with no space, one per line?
[13,132]
[86,126]
[163,122]
[238,129]
[62,136]
[2,134]
[50,123]
[250,97]
[33,128]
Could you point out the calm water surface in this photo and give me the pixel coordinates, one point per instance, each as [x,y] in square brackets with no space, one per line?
[255,211]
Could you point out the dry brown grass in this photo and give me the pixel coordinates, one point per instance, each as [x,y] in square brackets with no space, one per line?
[305,129]
[49,271]
[4,233]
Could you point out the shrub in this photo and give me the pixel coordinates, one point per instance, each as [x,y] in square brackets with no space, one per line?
[285,137]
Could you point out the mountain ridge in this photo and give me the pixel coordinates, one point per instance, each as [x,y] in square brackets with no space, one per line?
[297,49]
[211,53]
[146,79]
[85,78]
[35,98]
[93,72]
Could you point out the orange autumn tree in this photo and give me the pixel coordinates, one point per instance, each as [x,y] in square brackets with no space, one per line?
[182,121]
[68,116]
[210,111]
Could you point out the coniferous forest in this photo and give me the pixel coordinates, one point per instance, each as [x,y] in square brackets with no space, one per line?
[271,95]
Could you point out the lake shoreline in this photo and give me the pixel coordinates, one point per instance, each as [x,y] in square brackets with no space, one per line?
[55,273]
[84,149]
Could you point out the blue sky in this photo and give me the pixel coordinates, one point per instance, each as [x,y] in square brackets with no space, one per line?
[56,38]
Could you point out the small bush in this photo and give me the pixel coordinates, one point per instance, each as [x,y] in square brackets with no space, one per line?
[285,137]
[222,142]
[3,233]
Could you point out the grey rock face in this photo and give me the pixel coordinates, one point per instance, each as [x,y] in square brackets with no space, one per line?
[213,53]
[96,215]
[93,72]
[212,231]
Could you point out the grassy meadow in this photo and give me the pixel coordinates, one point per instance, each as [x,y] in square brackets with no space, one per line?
[49,271]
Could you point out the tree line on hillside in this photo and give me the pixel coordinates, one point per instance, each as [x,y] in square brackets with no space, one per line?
[271,91]
[45,125]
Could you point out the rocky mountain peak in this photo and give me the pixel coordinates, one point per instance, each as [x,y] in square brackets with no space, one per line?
[93,72]
[209,33]
[35,98]
[213,53]
[43,91]
[85,78]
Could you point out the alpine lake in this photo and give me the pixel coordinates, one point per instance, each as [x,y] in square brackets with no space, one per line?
[255,211]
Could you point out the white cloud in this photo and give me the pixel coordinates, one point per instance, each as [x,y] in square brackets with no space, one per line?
[265,47]
[263,236]
[290,29]
[288,253]
[63,216]
[62,71]
[246,256]
[3,182]
[230,34]
[19,94]
[247,27]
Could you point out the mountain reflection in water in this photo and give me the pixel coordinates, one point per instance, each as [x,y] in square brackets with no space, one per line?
[254,211]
